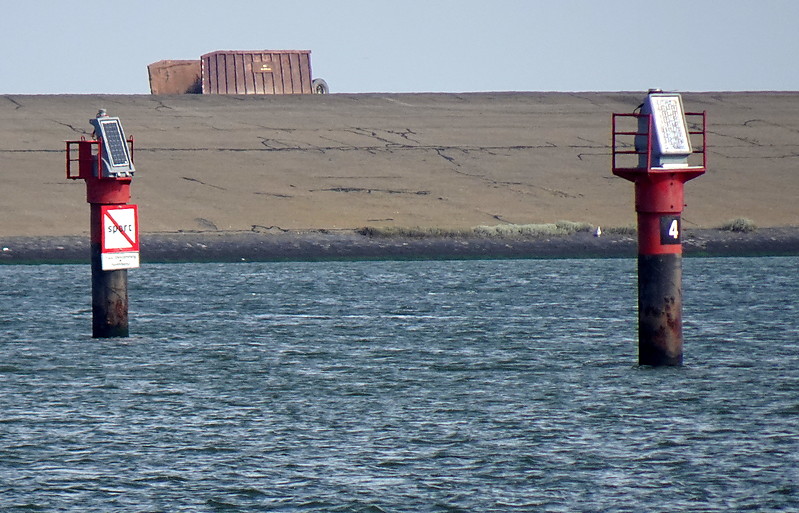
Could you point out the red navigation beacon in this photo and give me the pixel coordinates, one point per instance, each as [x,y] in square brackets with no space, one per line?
[106,164]
[659,148]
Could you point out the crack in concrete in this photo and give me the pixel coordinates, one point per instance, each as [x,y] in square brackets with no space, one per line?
[362,177]
[548,190]
[81,131]
[451,160]
[769,123]
[592,143]
[556,192]
[770,157]
[581,155]
[32,151]
[512,186]
[15,102]
[368,133]
[269,144]
[162,106]
[340,143]
[595,102]
[373,134]
[278,129]
[371,190]
[496,217]
[259,228]
[273,194]
[371,149]
[405,134]
[753,142]
[203,183]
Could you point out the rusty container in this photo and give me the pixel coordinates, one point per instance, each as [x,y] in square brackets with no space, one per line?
[257,72]
[174,77]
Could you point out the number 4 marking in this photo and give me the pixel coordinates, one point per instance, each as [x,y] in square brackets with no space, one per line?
[674,230]
[670,230]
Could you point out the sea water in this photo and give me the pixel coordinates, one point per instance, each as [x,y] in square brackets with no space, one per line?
[399,386]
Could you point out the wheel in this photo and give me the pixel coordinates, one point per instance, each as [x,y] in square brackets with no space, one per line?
[320,86]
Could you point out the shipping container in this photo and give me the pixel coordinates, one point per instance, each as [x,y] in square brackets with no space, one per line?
[257,72]
[174,77]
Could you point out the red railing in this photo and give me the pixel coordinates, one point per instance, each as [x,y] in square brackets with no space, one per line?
[85,161]
[695,118]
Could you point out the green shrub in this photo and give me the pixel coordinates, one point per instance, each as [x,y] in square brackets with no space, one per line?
[533,230]
[740,225]
[561,228]
[412,232]
[621,230]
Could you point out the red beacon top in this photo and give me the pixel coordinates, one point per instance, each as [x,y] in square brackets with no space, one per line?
[658,160]
[105,162]
[662,140]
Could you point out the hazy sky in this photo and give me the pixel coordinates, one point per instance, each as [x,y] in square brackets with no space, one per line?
[60,46]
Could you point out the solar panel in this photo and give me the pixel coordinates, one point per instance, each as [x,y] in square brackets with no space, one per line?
[116,159]
[115,142]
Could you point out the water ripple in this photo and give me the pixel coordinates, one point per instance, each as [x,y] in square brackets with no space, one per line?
[400,386]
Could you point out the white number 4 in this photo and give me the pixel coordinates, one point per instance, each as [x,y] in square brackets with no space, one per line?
[674,230]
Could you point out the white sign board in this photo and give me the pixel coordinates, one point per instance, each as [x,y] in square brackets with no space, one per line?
[669,122]
[116,261]
[120,237]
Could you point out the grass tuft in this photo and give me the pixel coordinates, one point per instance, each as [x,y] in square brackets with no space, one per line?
[498,231]
[413,232]
[739,225]
[621,230]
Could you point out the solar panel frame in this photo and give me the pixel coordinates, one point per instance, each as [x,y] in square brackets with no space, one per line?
[116,159]
[115,143]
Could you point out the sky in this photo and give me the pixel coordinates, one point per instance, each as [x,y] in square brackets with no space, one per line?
[358,46]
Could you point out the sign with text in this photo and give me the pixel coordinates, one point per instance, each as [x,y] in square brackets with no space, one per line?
[670,126]
[120,237]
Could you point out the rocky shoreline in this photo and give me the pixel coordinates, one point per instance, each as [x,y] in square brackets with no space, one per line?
[328,245]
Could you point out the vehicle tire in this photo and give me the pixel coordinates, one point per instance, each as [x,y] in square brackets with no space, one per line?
[320,86]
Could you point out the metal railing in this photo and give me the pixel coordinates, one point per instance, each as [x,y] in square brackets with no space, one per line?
[697,119]
[88,158]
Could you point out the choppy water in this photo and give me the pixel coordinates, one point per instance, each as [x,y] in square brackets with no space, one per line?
[399,386]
